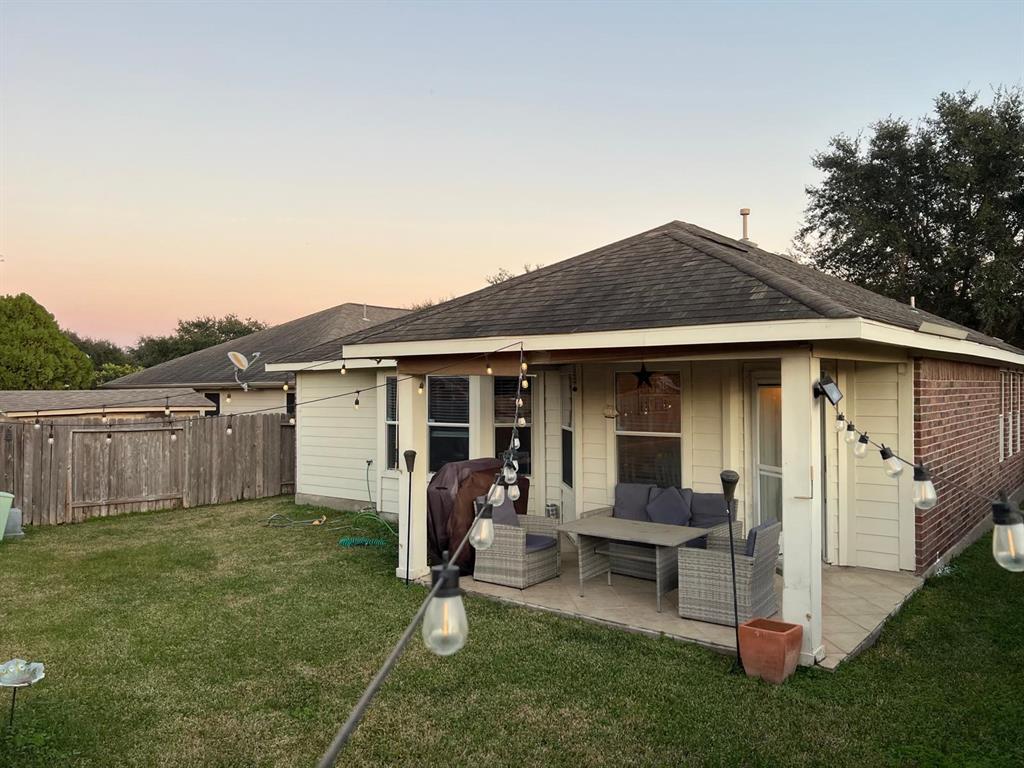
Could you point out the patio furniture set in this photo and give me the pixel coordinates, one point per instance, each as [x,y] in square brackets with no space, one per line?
[672,536]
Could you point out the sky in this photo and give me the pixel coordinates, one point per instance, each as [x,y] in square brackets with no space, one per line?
[165,160]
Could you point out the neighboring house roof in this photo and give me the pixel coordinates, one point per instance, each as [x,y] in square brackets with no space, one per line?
[210,367]
[674,275]
[50,401]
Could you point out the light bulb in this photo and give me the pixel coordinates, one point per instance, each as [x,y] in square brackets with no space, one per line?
[419,389]
[851,433]
[860,450]
[229,430]
[344,369]
[482,536]
[1008,536]
[925,496]
[109,438]
[444,623]
[174,437]
[522,421]
[840,424]
[515,463]
[515,443]
[105,418]
[291,420]
[167,408]
[519,402]
[510,474]
[524,366]
[513,492]
[37,425]
[445,626]
[892,465]
[496,496]
[285,386]
[356,403]
[489,370]
[229,398]
[526,383]
[50,440]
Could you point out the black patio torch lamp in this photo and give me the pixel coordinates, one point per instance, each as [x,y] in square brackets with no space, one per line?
[410,464]
[729,480]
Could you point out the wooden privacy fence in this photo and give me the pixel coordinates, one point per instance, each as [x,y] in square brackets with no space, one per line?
[80,475]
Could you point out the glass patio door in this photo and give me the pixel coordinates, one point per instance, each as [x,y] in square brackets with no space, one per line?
[768,452]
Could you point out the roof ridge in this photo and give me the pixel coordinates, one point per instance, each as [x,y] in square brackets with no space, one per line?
[364,335]
[732,255]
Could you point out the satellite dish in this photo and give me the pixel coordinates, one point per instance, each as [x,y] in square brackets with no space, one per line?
[240,361]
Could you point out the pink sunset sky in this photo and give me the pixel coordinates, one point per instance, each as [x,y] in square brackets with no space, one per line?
[161,161]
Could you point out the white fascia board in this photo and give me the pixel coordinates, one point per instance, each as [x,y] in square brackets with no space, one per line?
[726,333]
[904,337]
[331,365]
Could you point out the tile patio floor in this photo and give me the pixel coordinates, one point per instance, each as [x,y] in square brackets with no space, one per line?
[856,603]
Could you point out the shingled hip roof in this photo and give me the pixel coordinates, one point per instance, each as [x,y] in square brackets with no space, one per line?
[675,275]
[211,368]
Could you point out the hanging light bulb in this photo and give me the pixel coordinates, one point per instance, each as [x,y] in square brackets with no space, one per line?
[419,389]
[515,443]
[285,386]
[344,368]
[496,495]
[510,475]
[50,438]
[291,420]
[38,424]
[174,436]
[482,536]
[519,402]
[925,496]
[229,430]
[515,463]
[445,627]
[893,466]
[104,417]
[513,492]
[522,421]
[1008,536]
[356,403]
[526,383]
[524,366]
[840,424]
[109,438]
[167,407]
[229,398]
[851,433]
[860,449]
[488,369]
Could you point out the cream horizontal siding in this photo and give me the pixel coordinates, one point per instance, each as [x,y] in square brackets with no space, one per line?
[595,485]
[389,490]
[832,443]
[553,442]
[704,432]
[335,440]
[254,399]
[874,529]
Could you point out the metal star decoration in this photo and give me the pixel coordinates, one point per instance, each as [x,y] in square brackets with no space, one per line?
[643,376]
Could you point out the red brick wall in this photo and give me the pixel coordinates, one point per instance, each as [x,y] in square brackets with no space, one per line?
[956,434]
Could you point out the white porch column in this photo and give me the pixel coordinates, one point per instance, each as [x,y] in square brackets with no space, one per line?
[802,500]
[481,416]
[412,435]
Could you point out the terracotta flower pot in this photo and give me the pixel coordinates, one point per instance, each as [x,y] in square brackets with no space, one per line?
[770,649]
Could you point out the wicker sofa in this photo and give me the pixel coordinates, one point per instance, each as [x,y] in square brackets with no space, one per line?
[705,576]
[526,549]
[634,501]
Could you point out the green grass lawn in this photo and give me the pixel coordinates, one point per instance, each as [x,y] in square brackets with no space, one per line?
[199,638]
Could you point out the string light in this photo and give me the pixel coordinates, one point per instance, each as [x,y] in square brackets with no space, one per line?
[229,430]
[356,403]
[925,496]
[1008,536]
[513,492]
[109,438]
[482,536]
[104,418]
[524,366]
[344,368]
[291,420]
[840,424]
[229,398]
[860,449]
[524,383]
[893,466]
[496,495]
[419,388]
[851,433]
[445,627]
[38,424]
[285,386]
[50,438]
[488,369]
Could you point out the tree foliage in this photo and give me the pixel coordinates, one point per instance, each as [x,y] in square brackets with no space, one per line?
[933,210]
[191,336]
[34,353]
[504,274]
[99,351]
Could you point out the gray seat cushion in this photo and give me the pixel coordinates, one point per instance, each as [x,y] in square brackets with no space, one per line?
[707,510]
[752,537]
[631,501]
[669,507]
[535,542]
[505,513]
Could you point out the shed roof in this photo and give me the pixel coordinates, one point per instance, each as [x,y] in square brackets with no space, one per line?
[59,400]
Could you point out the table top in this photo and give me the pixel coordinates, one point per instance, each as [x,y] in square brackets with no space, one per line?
[637,531]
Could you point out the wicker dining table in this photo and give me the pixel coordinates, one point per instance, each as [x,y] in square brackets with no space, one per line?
[595,533]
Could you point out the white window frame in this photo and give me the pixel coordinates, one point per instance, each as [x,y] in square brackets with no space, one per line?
[1003,418]
[390,381]
[432,424]
[629,433]
[496,425]
[567,379]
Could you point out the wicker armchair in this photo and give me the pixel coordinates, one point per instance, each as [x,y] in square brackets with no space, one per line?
[512,560]
[705,577]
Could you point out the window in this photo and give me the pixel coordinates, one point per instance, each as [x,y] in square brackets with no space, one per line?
[391,421]
[568,384]
[447,420]
[504,419]
[1011,403]
[213,397]
[289,403]
[648,429]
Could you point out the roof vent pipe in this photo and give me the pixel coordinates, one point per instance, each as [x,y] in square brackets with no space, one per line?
[744,213]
